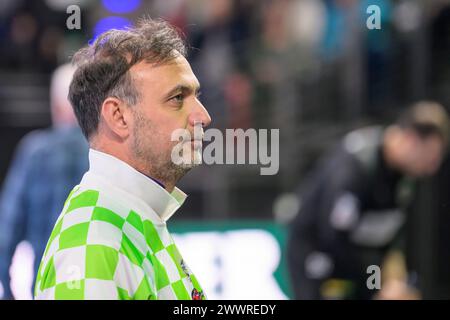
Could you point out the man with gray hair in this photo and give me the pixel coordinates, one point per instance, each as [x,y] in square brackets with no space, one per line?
[45,167]
[132,89]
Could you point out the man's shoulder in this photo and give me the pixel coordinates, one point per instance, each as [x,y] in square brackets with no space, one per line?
[95,221]
[96,198]
[117,198]
[69,137]
[97,203]
[34,142]
[105,214]
[41,144]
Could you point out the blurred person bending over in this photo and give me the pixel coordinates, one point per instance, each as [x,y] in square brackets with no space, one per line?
[46,165]
[354,204]
[133,88]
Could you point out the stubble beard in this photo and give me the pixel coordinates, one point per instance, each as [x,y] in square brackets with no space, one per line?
[156,164]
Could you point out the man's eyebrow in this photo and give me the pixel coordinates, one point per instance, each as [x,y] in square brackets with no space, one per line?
[184,89]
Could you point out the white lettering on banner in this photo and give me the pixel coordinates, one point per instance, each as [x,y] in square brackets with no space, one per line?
[236,264]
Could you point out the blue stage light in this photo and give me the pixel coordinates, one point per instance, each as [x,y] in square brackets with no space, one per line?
[121,6]
[109,23]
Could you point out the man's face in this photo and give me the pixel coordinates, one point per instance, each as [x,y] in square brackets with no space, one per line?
[168,101]
[425,155]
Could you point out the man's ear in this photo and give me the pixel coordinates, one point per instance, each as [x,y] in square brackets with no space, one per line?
[115,115]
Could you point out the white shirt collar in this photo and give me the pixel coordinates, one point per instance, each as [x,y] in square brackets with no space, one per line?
[125,177]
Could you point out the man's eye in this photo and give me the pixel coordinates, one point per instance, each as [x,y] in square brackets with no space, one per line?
[178,98]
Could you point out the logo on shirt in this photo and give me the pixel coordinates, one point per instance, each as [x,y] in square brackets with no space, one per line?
[197,295]
[184,267]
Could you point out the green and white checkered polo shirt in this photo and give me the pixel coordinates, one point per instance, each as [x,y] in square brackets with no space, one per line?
[111,240]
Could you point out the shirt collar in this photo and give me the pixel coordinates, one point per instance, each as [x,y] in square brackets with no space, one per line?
[125,177]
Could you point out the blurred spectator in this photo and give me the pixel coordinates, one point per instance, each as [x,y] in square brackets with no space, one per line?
[440,51]
[46,165]
[33,35]
[214,57]
[354,205]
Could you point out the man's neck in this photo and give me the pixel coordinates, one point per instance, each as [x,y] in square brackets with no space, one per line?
[142,168]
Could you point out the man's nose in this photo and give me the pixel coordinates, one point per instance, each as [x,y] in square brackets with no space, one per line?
[199,114]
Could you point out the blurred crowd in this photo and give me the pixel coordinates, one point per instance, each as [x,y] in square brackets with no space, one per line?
[311,68]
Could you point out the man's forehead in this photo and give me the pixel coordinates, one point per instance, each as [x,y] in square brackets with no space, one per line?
[177,70]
